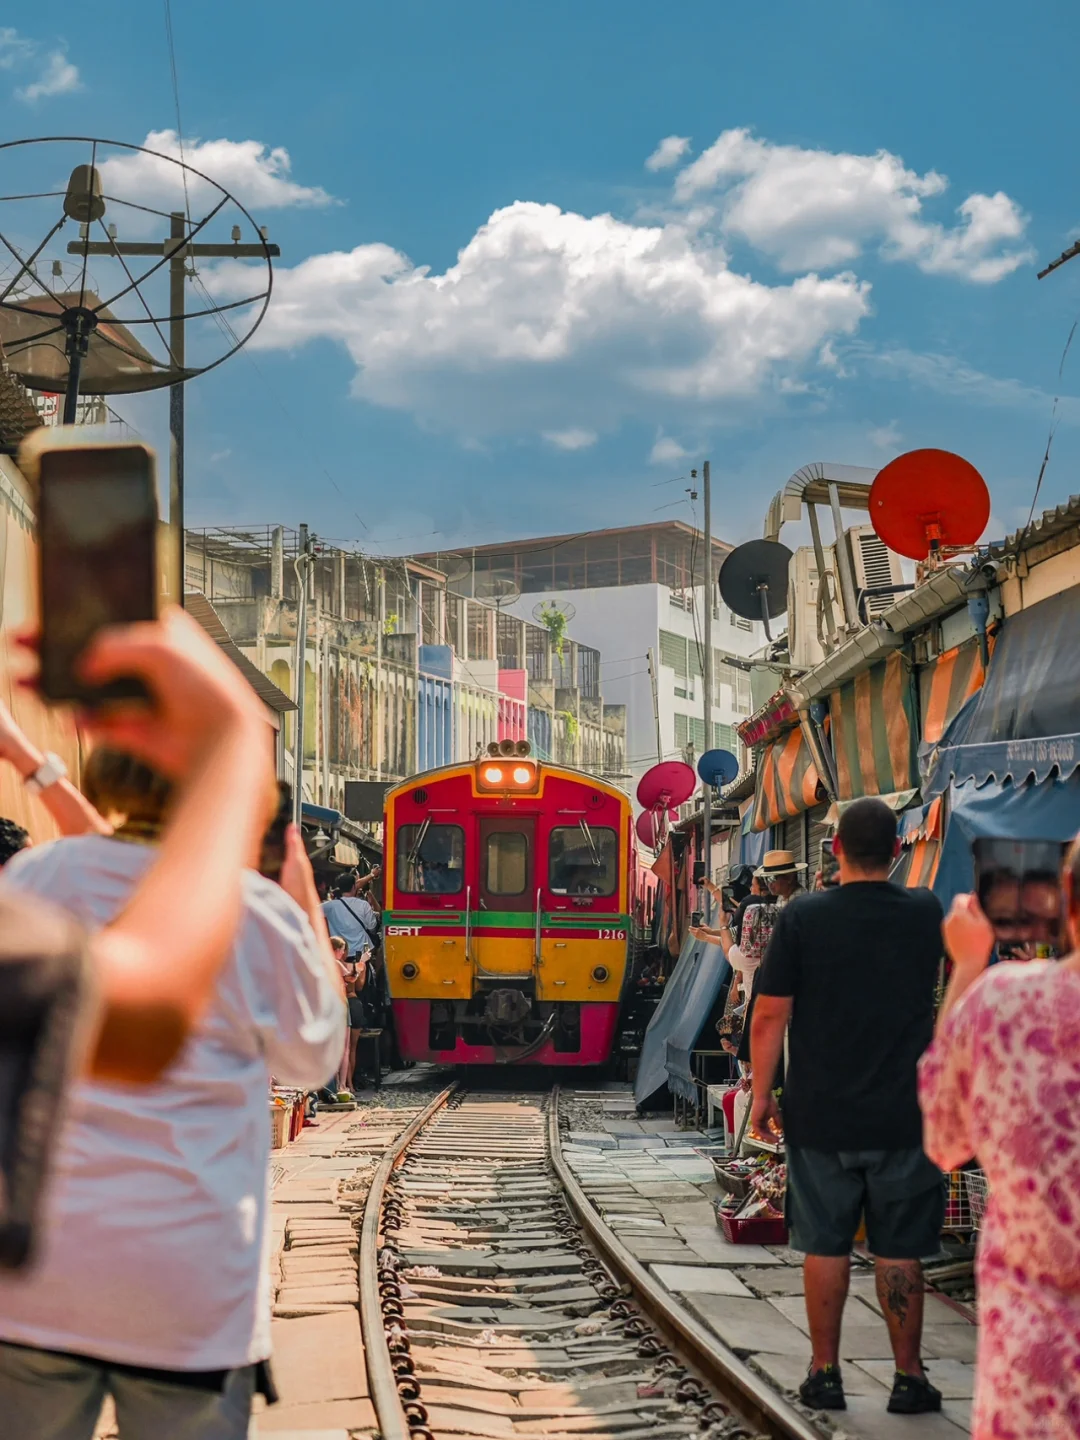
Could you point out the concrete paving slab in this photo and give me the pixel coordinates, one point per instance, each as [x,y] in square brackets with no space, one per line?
[950,1342]
[696,1170]
[695,1212]
[677,1190]
[867,1419]
[326,1293]
[749,1326]
[789,1371]
[939,1312]
[331,1418]
[700,1280]
[594,1139]
[953,1378]
[959,1412]
[619,1128]
[318,1359]
[710,1242]
[634,1142]
[777,1280]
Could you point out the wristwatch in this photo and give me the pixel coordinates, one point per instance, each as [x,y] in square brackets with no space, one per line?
[51,769]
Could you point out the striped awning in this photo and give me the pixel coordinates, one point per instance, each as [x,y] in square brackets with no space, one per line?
[920,832]
[873,730]
[945,684]
[787,781]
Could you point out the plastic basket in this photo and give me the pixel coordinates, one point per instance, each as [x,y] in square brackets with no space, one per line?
[758,1230]
[737,1185]
[978,1193]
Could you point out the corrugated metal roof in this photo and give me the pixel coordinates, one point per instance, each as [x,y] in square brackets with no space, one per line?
[200,609]
[1048,524]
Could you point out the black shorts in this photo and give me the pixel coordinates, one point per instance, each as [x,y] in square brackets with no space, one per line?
[357,1013]
[900,1192]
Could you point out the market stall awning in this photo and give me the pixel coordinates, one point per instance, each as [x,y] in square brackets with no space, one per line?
[1024,724]
[873,734]
[1030,810]
[946,685]
[920,835]
[787,781]
[689,995]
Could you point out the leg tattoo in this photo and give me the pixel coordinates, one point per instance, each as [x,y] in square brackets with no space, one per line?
[896,1285]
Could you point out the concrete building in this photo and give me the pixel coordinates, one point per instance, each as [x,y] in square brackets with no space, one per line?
[634,590]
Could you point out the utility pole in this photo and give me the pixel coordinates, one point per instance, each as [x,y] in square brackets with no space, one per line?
[651,658]
[707,667]
[302,566]
[179,250]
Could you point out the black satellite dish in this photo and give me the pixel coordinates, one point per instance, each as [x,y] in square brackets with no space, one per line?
[754,579]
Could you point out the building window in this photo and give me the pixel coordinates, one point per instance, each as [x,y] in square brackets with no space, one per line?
[583,860]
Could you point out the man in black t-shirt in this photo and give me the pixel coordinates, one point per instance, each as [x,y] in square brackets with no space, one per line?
[852,971]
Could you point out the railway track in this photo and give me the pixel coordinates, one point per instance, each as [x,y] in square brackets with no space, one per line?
[496,1302]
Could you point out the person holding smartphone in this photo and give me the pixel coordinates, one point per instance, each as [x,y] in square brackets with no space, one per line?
[149,1284]
[999,1084]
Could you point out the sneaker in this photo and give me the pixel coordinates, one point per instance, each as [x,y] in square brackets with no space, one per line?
[913,1395]
[823,1389]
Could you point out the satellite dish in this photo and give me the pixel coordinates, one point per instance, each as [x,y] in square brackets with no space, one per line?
[456,568]
[927,501]
[498,590]
[754,580]
[94,292]
[544,608]
[666,785]
[718,767]
[645,827]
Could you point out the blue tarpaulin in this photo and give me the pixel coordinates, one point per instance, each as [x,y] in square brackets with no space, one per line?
[689,995]
[1025,721]
[1032,810]
[752,843]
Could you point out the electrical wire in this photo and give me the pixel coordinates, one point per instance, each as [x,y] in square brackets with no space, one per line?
[1054,423]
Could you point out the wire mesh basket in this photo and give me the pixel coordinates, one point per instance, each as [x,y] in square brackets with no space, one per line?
[957,1204]
[978,1193]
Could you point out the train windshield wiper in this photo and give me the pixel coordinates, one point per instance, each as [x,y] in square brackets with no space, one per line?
[591,843]
[414,853]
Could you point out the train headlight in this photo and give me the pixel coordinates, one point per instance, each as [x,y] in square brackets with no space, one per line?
[410,971]
[523,774]
[493,774]
[600,973]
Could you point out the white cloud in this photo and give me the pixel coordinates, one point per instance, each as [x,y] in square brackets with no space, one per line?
[59,77]
[551,320]
[669,152]
[884,437]
[666,451]
[571,439]
[949,375]
[14,48]
[819,209]
[259,177]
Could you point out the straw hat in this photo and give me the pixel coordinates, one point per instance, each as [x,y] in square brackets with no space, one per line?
[779,862]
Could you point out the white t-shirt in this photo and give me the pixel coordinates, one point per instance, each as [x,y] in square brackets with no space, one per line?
[154,1234]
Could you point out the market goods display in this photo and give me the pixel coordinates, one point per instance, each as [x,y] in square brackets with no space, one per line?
[752,1210]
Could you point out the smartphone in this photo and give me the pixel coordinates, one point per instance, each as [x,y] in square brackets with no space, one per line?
[1018,883]
[830,866]
[97,555]
[273,847]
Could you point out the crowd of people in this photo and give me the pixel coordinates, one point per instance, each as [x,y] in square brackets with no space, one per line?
[838,993]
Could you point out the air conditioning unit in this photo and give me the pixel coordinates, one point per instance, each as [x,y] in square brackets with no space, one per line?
[873,565]
[806,625]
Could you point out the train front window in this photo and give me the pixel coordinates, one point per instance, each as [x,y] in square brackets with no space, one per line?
[583,860]
[506,862]
[430,859]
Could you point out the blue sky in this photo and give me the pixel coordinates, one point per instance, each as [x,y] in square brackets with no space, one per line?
[839,263]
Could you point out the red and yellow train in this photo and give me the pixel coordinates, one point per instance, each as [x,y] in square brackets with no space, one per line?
[515,909]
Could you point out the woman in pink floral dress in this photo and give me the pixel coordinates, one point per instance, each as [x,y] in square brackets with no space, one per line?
[1001,1082]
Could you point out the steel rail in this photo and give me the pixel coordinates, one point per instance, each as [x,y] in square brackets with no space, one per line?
[382,1384]
[754,1399]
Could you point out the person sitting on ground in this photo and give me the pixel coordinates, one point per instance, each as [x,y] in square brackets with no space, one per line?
[150,1284]
[853,971]
[999,1085]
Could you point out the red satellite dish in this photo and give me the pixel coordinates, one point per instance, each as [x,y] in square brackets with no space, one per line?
[645,826]
[666,785]
[929,500]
